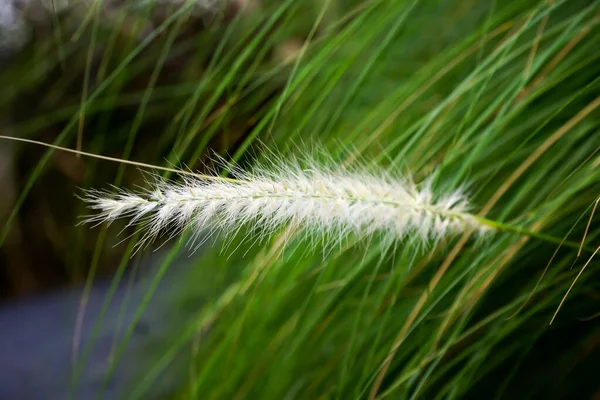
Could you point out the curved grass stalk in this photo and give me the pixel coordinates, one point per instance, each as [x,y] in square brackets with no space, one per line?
[142,203]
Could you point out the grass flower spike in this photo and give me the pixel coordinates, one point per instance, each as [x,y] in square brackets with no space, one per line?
[318,200]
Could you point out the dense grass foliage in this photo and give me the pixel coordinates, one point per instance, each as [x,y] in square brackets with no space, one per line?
[502,96]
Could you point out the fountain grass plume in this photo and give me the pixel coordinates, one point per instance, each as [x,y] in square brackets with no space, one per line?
[312,196]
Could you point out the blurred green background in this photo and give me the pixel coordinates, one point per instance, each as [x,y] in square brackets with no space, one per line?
[500,96]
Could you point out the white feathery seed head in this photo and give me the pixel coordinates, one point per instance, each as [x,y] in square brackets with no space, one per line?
[321,201]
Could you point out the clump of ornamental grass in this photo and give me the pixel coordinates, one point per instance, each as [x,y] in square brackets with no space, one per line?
[313,198]
[503,95]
